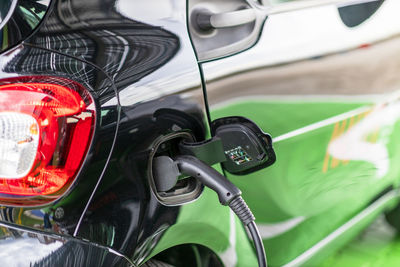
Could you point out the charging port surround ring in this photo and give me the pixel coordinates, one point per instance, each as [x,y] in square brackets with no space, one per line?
[186,190]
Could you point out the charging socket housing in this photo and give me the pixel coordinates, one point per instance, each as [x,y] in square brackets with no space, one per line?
[237,143]
[184,189]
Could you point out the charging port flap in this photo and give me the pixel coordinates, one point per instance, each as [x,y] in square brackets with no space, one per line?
[245,146]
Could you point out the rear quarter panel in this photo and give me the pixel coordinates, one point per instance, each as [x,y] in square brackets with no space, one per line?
[151,62]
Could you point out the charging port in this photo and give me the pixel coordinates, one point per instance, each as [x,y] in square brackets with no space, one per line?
[185,188]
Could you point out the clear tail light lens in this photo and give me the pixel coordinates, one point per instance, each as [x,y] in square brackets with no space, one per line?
[19,140]
[46,127]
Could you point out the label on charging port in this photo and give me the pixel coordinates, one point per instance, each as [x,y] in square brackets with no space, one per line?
[238,155]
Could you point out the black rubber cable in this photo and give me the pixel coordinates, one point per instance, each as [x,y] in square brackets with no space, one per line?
[228,194]
[240,208]
[255,235]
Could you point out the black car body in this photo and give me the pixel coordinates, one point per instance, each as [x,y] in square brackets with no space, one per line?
[147,85]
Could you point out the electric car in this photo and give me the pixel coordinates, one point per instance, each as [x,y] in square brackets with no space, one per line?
[130,128]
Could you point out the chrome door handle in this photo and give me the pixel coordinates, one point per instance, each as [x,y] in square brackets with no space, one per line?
[207,21]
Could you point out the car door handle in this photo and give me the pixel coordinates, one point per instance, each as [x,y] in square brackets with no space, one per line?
[222,27]
[207,21]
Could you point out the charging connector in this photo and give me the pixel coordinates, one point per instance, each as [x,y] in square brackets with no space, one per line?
[228,193]
[192,166]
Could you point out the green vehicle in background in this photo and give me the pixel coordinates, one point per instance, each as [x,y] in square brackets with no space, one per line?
[322,79]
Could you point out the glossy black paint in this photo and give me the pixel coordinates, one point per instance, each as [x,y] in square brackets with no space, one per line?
[142,90]
[26,247]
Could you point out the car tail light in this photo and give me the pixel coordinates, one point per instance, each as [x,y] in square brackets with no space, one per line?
[46,127]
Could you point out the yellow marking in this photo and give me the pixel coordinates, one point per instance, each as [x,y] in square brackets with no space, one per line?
[335,131]
[326,163]
[351,123]
[362,115]
[335,161]
[326,160]
[339,129]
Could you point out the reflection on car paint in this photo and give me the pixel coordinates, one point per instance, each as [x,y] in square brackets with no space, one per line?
[40,249]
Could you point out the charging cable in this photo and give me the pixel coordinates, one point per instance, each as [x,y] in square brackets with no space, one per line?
[228,194]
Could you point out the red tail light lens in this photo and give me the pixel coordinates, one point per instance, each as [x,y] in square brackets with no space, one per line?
[46,127]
